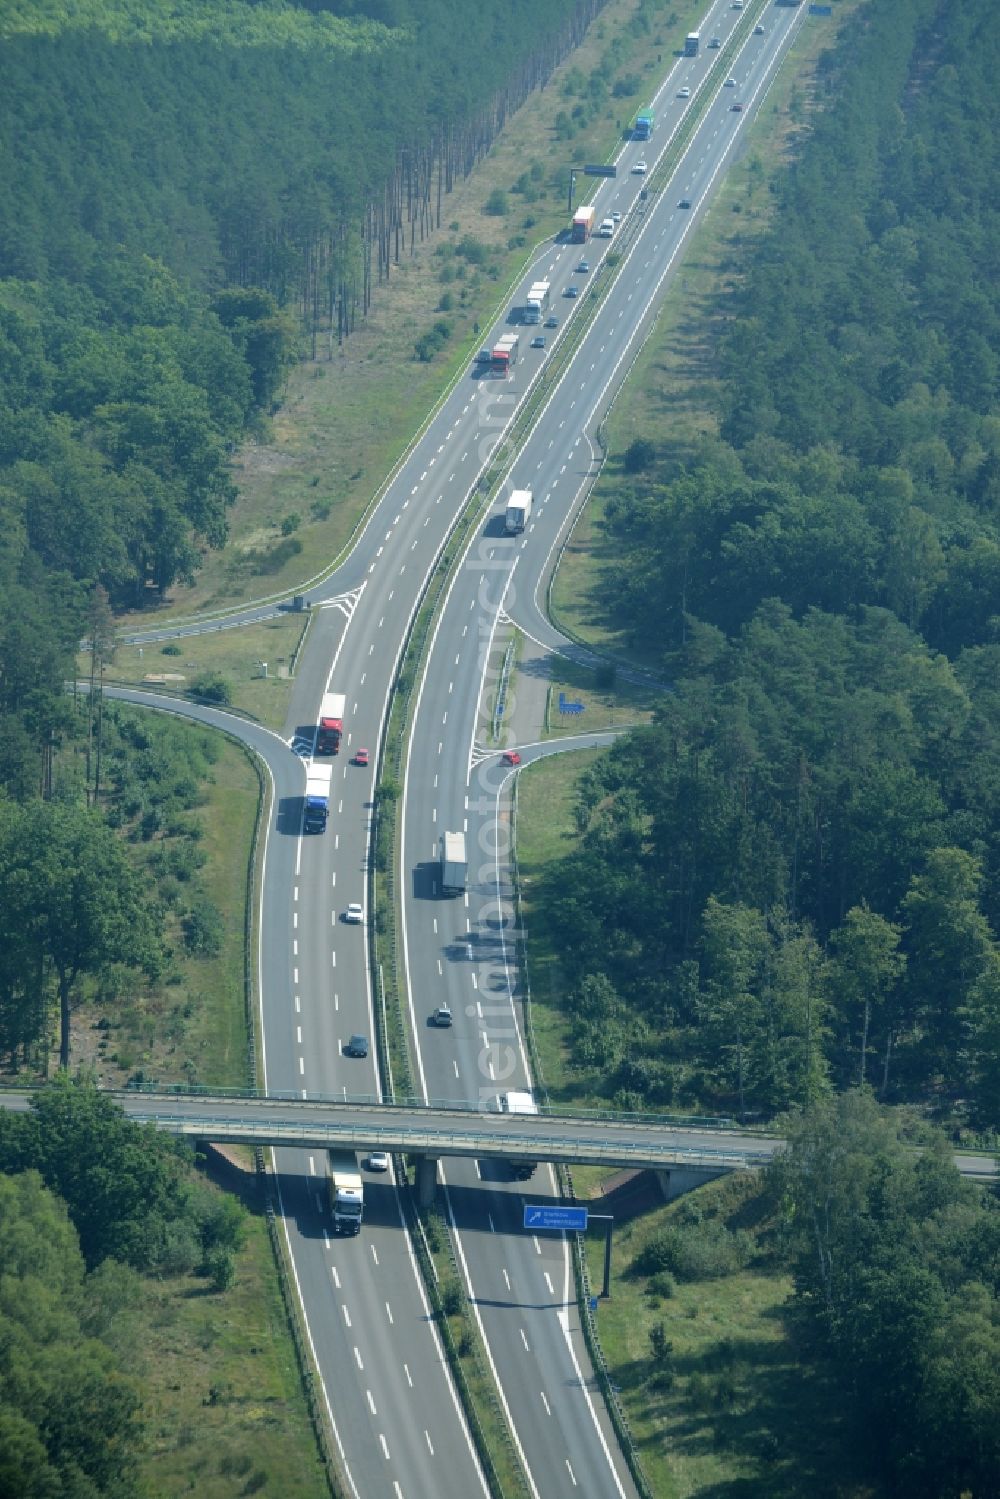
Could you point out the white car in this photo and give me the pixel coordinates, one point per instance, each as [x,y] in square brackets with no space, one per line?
[616,217]
[640,168]
[377,1161]
[684,93]
[355,913]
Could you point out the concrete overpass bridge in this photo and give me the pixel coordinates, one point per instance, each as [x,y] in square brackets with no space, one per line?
[432,1131]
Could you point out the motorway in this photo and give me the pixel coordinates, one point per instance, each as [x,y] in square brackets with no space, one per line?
[465,951]
[398,1434]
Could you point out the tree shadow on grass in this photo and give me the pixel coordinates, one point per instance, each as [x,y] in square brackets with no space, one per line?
[774,1408]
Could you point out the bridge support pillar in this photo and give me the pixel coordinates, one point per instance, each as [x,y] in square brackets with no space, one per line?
[677,1180]
[427,1175]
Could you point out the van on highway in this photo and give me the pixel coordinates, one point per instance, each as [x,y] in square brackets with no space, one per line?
[607,228]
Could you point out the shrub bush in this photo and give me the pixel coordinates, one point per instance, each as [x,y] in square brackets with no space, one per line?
[451,1297]
[203,928]
[696,1251]
[640,454]
[212,687]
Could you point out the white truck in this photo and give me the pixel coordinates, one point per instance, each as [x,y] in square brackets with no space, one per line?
[347,1190]
[538,300]
[454,865]
[317,809]
[519,1102]
[518,511]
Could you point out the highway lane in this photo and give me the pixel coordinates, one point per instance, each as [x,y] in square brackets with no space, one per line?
[368,1321]
[369,602]
[520,1286]
[561,472]
[483,1054]
[368,1316]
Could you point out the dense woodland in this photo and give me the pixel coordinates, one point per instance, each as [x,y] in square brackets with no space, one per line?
[180,189]
[791,882]
[897,1271]
[89,1204]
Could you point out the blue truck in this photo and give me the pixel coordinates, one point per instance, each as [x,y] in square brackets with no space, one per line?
[643,127]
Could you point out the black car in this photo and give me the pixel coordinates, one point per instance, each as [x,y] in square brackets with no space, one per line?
[684,203]
[357,1046]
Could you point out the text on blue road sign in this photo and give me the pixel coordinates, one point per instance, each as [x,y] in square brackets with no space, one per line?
[543,1215]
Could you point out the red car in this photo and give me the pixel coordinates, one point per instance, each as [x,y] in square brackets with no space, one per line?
[510,757]
[361,758]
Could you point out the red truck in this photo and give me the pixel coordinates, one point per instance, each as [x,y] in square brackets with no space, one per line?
[331,724]
[505,355]
[583,224]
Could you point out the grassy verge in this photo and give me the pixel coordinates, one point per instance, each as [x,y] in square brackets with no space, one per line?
[735,1406]
[348,413]
[546,833]
[235,655]
[190,1027]
[609,702]
[225,1413]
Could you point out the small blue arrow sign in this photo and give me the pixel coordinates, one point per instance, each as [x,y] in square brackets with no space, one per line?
[539,1215]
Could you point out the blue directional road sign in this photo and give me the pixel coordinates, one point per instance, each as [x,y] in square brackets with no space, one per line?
[573,1220]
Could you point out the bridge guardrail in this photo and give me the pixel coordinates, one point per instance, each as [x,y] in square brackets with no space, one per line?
[441,1105]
